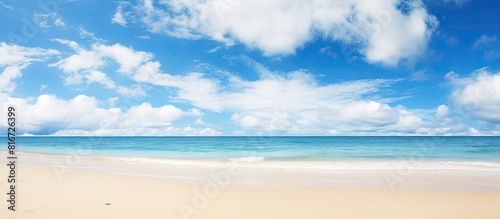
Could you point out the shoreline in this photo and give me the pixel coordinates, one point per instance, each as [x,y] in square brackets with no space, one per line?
[407,176]
[304,164]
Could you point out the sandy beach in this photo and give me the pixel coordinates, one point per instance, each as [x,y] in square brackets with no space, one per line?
[84,192]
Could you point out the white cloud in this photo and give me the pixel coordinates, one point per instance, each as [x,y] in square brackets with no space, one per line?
[491,54]
[195,112]
[95,76]
[13,59]
[8,75]
[84,33]
[296,103]
[81,115]
[143,37]
[380,30]
[146,116]
[7,6]
[277,102]
[458,2]
[200,121]
[192,87]
[484,41]
[48,20]
[99,77]
[43,87]
[489,45]
[88,64]
[131,91]
[19,55]
[118,17]
[327,51]
[126,57]
[238,133]
[112,101]
[293,103]
[420,75]
[170,131]
[85,59]
[49,114]
[477,94]
[442,111]
[213,50]
[82,60]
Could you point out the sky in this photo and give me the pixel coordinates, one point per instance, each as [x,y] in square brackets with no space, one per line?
[259,67]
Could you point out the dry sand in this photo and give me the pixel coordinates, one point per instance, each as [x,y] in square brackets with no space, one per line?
[91,194]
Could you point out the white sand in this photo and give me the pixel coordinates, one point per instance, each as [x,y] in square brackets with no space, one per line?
[82,189]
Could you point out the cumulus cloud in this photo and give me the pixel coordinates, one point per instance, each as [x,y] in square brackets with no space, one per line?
[284,102]
[384,31]
[447,120]
[296,103]
[87,65]
[82,115]
[292,103]
[442,111]
[478,94]
[14,58]
[169,131]
[94,58]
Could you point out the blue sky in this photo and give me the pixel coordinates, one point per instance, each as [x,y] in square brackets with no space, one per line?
[237,67]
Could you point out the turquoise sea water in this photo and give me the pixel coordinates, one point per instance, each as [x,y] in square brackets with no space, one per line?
[480,149]
[272,152]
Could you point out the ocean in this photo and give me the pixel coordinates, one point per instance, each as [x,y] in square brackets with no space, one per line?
[337,153]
